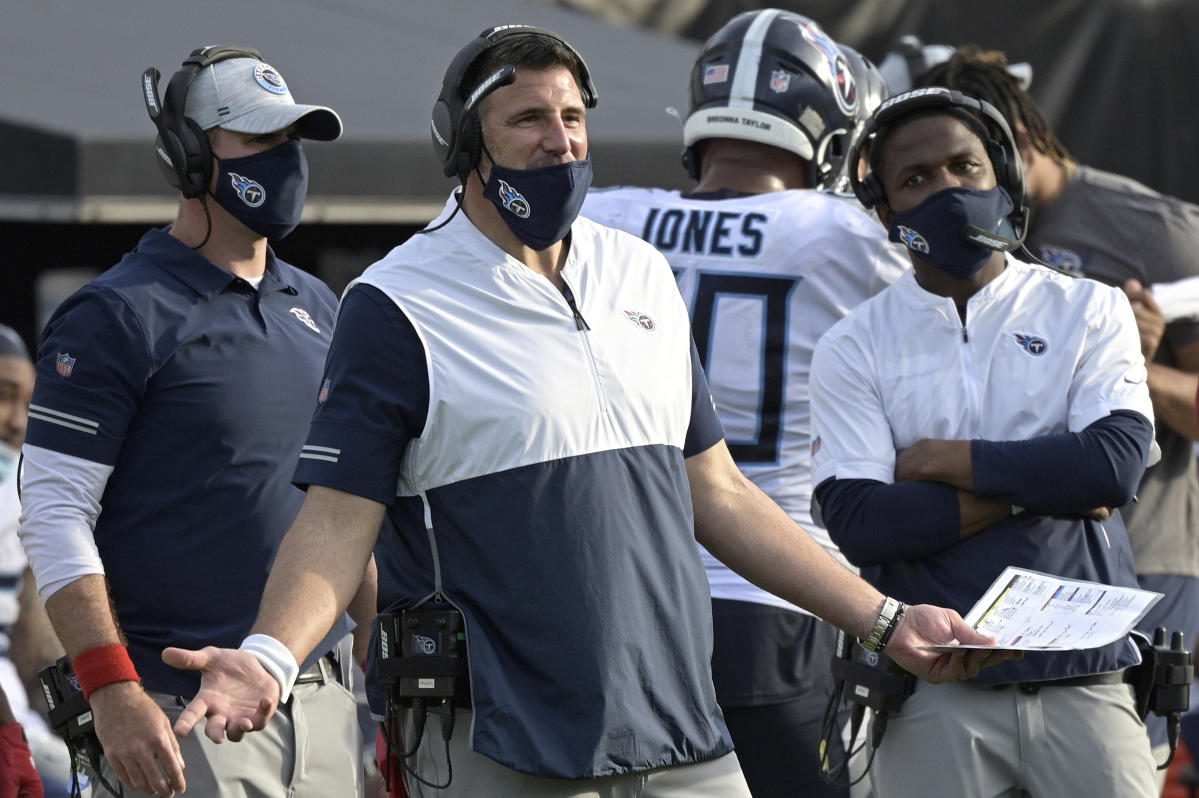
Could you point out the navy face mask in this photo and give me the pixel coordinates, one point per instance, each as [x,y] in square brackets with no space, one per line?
[265,191]
[956,229]
[539,205]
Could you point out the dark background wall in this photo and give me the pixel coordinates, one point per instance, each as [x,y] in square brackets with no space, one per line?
[1117,79]
[35,252]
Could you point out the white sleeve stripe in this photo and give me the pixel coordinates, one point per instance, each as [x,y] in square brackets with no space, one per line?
[41,417]
[325,449]
[67,416]
[307,456]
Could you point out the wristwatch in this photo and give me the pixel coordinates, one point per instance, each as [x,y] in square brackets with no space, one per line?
[884,626]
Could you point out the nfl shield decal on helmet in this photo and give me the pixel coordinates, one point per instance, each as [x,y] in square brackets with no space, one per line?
[780,79]
[913,240]
[64,364]
[640,319]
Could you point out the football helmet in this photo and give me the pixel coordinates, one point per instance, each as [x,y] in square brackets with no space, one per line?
[773,77]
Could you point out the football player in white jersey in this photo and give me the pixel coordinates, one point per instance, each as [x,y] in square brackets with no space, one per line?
[767,262]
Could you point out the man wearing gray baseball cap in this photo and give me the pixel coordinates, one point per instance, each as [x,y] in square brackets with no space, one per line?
[176,392]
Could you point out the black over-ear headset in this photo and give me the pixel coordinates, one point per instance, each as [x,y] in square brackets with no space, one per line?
[183,152]
[457,132]
[1000,144]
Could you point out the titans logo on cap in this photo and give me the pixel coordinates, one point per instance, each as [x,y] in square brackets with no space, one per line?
[513,200]
[269,78]
[248,191]
[913,240]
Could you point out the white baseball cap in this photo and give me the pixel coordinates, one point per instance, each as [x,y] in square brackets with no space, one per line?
[246,95]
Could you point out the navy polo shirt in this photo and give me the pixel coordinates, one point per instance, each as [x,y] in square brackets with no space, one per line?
[198,390]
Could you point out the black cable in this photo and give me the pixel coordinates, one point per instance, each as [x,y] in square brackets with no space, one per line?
[1173,733]
[457,207]
[93,758]
[419,715]
[207,220]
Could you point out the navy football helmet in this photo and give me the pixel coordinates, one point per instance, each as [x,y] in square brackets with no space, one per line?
[773,77]
[872,92]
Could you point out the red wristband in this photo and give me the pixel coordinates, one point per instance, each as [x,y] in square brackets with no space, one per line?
[103,665]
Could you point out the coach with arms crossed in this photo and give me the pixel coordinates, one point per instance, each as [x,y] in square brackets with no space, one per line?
[950,409]
[527,378]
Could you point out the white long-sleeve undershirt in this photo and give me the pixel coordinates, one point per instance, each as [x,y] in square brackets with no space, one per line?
[60,502]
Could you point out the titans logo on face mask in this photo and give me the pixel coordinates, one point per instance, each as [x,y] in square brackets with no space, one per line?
[513,200]
[548,201]
[248,190]
[265,191]
[944,230]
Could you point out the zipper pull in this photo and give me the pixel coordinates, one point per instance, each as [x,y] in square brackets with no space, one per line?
[580,322]
[965,336]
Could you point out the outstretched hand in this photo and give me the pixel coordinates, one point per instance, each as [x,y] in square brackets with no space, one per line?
[926,625]
[236,695]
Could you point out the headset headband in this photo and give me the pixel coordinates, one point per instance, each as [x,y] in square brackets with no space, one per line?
[454,125]
[1001,148]
[182,147]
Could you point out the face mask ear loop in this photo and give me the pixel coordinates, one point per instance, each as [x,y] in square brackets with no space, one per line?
[487,152]
[207,220]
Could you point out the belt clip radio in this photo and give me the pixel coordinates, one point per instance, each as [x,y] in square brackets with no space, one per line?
[1162,682]
[422,664]
[422,654]
[70,716]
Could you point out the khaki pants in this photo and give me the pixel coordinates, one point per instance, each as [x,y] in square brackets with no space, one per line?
[970,741]
[477,776]
[311,748]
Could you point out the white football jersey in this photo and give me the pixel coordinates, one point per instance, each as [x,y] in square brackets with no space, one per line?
[764,276]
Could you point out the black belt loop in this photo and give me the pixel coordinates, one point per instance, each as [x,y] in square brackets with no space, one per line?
[1090,680]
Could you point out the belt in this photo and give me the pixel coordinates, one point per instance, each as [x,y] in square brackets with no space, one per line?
[324,670]
[1090,680]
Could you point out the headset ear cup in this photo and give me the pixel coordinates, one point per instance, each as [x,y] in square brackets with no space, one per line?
[472,143]
[444,138]
[1003,169]
[871,194]
[199,160]
[691,162]
[166,147]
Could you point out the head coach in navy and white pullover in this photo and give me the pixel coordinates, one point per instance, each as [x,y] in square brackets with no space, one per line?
[519,386]
[173,395]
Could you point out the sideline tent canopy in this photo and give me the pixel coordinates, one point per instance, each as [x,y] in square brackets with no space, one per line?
[78,142]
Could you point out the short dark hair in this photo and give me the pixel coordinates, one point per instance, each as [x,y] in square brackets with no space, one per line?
[527,50]
[879,144]
[983,74]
